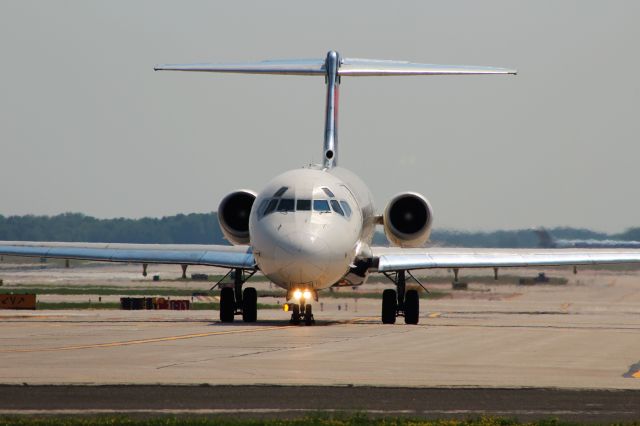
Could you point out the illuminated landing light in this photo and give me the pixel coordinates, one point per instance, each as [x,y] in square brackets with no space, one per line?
[297,295]
[307,294]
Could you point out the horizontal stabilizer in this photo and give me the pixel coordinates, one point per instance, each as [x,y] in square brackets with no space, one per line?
[371,67]
[347,67]
[291,67]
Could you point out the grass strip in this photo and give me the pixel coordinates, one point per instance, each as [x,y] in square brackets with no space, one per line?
[165,292]
[100,291]
[116,305]
[313,419]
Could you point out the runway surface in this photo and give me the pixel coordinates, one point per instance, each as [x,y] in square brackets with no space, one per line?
[582,335]
[293,401]
[571,350]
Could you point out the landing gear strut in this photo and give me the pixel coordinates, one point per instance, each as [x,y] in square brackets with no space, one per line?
[302,312]
[402,302]
[236,301]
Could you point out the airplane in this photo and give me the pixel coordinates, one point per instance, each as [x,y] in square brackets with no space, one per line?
[311,228]
[546,240]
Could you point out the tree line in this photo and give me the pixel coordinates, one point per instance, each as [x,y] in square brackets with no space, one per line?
[203,228]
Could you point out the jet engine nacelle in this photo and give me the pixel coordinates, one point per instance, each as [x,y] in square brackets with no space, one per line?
[407,220]
[233,216]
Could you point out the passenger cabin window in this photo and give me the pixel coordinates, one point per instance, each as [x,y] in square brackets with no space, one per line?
[280,192]
[286,205]
[328,192]
[335,205]
[346,208]
[321,206]
[303,205]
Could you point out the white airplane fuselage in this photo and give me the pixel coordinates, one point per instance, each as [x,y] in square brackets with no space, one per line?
[312,245]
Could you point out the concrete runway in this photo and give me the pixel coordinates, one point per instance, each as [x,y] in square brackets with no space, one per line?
[581,336]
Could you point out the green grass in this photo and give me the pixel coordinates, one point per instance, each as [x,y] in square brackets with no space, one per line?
[77,305]
[100,291]
[485,279]
[173,292]
[351,294]
[313,419]
[116,305]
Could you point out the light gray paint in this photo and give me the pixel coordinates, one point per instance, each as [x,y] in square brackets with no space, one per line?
[87,126]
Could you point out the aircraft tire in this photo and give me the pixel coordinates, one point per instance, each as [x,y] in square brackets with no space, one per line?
[389,306]
[227,304]
[295,315]
[411,307]
[308,316]
[249,305]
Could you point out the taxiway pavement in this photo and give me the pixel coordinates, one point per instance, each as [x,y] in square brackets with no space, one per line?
[583,335]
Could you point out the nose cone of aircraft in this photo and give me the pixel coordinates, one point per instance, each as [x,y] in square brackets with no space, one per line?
[312,258]
[302,257]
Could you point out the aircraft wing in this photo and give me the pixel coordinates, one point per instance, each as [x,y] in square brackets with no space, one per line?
[394,259]
[181,254]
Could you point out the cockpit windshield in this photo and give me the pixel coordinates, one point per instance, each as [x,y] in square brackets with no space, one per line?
[321,206]
[278,204]
[286,205]
[303,205]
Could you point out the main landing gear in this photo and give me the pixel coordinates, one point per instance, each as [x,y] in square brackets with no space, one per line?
[402,302]
[236,301]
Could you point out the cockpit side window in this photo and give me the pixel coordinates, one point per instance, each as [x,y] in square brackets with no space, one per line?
[280,192]
[335,205]
[286,205]
[271,206]
[262,207]
[346,208]
[328,192]
[321,206]
[303,205]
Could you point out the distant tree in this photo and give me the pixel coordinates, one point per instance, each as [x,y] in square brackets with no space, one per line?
[203,228]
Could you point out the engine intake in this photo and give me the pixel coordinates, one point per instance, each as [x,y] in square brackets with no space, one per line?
[233,216]
[407,220]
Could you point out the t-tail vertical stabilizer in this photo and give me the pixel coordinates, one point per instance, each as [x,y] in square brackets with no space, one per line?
[333,67]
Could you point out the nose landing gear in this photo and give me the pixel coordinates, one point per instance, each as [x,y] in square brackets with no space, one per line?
[302,312]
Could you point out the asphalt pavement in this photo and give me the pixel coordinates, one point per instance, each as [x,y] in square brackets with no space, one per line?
[295,401]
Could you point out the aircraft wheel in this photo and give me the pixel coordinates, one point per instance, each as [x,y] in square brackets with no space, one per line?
[295,315]
[227,304]
[249,305]
[308,316]
[389,306]
[411,307]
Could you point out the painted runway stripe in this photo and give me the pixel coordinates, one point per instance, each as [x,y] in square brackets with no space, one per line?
[144,341]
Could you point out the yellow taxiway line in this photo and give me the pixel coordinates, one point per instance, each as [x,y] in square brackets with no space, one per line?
[143,341]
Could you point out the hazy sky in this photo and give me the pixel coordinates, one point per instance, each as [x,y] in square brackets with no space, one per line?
[88,126]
